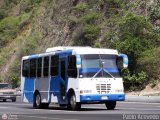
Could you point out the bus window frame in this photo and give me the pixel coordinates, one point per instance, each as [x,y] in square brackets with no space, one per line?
[45,67]
[72,68]
[28,76]
[54,66]
[35,75]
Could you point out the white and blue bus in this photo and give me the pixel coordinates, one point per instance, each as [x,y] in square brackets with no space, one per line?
[71,76]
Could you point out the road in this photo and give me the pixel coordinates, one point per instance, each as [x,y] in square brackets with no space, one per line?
[123,111]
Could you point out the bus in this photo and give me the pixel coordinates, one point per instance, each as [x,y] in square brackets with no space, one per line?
[72,76]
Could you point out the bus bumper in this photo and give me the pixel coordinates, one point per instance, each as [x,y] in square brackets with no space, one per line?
[102,97]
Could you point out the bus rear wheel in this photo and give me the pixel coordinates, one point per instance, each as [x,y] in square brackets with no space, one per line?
[37,102]
[73,105]
[110,105]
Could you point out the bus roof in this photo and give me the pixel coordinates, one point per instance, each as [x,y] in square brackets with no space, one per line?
[74,50]
[83,50]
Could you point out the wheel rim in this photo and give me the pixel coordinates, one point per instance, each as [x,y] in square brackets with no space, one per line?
[73,100]
[38,100]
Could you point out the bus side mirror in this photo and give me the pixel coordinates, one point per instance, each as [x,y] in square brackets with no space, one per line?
[122,61]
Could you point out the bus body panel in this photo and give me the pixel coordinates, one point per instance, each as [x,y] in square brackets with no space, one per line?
[101,89]
[42,85]
[73,83]
[102,98]
[54,89]
[28,89]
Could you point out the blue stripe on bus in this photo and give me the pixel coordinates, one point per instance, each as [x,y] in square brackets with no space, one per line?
[29,88]
[55,86]
[99,97]
[90,70]
[64,53]
[33,56]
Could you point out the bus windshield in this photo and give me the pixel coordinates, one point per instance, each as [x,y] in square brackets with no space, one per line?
[92,63]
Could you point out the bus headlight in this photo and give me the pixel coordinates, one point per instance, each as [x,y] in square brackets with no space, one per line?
[85,91]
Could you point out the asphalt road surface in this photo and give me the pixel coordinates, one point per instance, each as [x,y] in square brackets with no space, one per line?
[123,111]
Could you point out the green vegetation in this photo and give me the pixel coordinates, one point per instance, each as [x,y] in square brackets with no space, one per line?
[32,44]
[10,26]
[82,7]
[149,61]
[134,81]
[131,27]
[91,18]
[154,11]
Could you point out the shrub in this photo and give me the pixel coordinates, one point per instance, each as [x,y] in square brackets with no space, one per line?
[134,25]
[9,28]
[91,18]
[14,80]
[134,81]
[133,47]
[154,11]
[32,43]
[149,62]
[91,31]
[2,14]
[81,6]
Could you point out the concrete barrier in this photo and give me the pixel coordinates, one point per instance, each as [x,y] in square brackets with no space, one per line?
[149,99]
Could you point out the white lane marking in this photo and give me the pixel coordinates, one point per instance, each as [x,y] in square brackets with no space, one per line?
[46,117]
[50,110]
[136,102]
[138,109]
[3,107]
[15,104]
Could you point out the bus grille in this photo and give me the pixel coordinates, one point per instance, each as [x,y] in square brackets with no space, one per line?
[103,88]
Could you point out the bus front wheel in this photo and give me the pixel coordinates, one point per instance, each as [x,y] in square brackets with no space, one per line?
[73,105]
[110,105]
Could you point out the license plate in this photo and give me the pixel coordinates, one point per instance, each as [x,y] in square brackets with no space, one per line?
[104,98]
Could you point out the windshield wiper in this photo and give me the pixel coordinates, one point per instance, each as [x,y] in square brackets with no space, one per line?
[109,74]
[102,68]
[105,72]
[96,73]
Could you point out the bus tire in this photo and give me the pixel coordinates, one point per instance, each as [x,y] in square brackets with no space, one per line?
[62,105]
[72,104]
[37,100]
[110,105]
[13,99]
[44,105]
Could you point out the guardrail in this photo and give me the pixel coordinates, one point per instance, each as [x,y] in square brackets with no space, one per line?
[149,99]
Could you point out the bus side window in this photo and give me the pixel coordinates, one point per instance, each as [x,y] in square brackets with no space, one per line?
[33,65]
[46,66]
[72,69]
[25,68]
[39,67]
[54,65]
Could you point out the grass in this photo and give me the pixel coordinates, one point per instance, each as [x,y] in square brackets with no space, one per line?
[9,28]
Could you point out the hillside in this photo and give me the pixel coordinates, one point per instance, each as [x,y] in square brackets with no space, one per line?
[131,26]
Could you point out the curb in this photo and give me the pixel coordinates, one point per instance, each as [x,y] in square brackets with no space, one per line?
[148,99]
